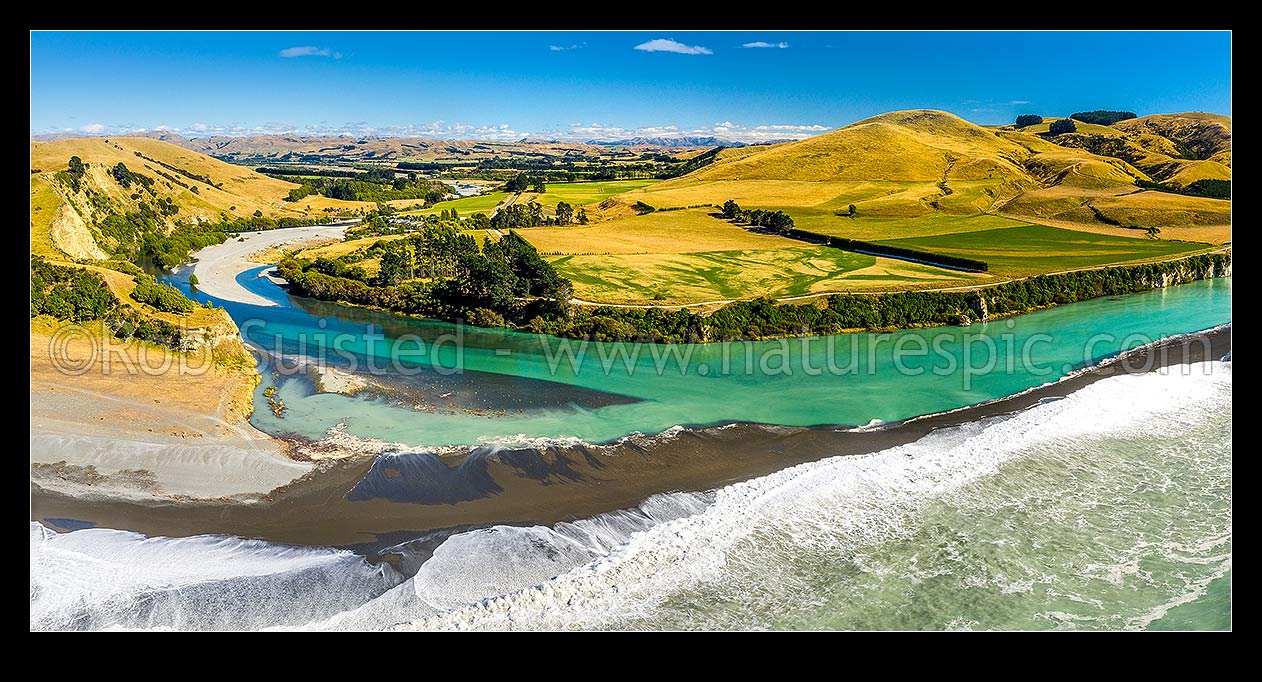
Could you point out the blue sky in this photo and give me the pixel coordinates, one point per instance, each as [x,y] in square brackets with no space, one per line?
[603,85]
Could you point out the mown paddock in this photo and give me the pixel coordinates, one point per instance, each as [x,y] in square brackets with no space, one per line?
[690,255]
[1034,249]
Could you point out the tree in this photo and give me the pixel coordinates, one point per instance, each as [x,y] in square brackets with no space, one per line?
[1102,117]
[582,216]
[564,213]
[1028,120]
[538,185]
[1152,232]
[1061,126]
[258,213]
[121,174]
[517,184]
[851,211]
[76,166]
[536,214]
[731,209]
[398,263]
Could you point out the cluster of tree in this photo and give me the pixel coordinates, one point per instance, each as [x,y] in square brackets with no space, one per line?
[125,177]
[374,185]
[699,161]
[878,249]
[1028,120]
[68,293]
[164,297]
[778,221]
[73,175]
[1101,116]
[564,213]
[1061,126]
[502,280]
[312,172]
[517,216]
[78,295]
[1210,189]
[523,181]
[125,322]
[186,173]
[169,250]
[125,233]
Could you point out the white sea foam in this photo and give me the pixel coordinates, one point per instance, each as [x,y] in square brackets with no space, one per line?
[97,579]
[624,568]
[848,502]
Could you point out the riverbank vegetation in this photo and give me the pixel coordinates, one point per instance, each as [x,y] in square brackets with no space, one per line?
[443,274]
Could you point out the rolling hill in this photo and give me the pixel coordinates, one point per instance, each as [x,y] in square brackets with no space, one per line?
[162,179]
[258,149]
[915,165]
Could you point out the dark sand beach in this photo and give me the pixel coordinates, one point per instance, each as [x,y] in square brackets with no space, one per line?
[369,502]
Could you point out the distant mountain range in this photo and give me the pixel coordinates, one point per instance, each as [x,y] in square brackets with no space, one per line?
[271,144]
[710,141]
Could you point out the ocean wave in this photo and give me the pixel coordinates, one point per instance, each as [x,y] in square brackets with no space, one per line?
[98,579]
[847,503]
[488,562]
[746,555]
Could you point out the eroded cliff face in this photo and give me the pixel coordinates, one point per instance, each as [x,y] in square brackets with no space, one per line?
[1131,278]
[71,235]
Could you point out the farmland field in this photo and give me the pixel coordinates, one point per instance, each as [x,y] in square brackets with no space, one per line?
[585,193]
[793,269]
[684,231]
[1032,249]
[690,256]
[881,229]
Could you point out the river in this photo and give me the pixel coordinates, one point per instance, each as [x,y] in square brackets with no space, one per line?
[1107,508]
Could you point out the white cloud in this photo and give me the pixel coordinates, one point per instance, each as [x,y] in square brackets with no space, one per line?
[760,43]
[199,127]
[309,51]
[565,48]
[92,128]
[1019,101]
[816,128]
[668,45]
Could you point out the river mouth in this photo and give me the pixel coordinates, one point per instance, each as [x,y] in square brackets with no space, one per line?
[391,492]
[985,518]
[517,480]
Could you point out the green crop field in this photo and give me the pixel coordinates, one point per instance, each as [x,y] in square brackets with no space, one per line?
[1031,249]
[880,229]
[483,203]
[586,193]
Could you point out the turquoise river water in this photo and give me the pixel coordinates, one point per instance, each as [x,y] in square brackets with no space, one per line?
[1109,508]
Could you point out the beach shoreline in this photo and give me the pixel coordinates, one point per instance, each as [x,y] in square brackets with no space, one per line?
[368,502]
